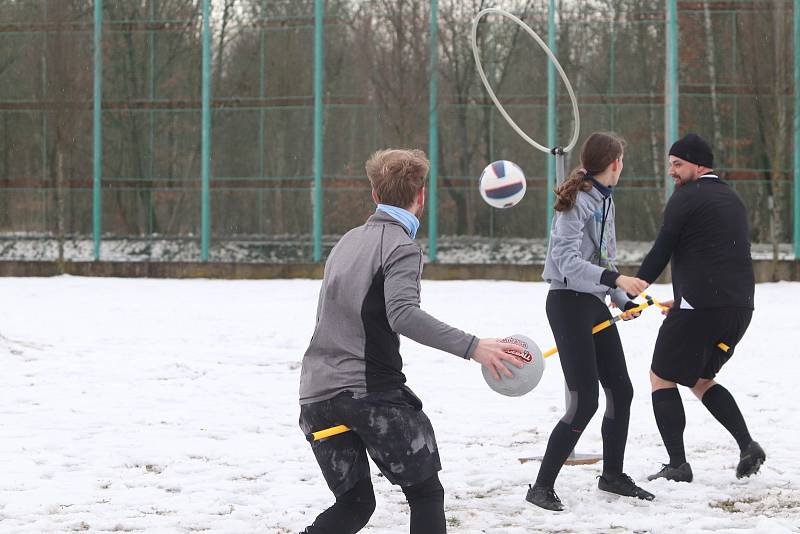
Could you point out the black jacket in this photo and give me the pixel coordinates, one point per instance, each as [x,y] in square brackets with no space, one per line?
[705,234]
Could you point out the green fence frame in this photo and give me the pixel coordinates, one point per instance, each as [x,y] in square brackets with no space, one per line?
[671,121]
[97,127]
[671,88]
[796,198]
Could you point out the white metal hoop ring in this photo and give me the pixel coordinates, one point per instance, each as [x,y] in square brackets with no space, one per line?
[552,57]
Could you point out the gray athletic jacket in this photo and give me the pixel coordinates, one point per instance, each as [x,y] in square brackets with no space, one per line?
[575,258]
[370,294]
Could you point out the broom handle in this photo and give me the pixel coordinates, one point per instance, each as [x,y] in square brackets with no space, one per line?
[649,301]
[605,324]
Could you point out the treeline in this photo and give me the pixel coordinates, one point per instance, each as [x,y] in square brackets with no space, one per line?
[735,80]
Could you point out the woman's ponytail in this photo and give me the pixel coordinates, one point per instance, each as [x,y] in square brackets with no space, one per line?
[567,192]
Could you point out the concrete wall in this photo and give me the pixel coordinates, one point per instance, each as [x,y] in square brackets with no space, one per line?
[765,270]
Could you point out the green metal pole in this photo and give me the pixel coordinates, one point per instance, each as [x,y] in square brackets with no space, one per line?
[492,79]
[796,129]
[612,77]
[44,120]
[319,50]
[671,87]
[433,134]
[551,113]
[205,165]
[262,172]
[261,93]
[151,94]
[97,120]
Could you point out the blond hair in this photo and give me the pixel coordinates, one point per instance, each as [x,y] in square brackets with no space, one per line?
[397,175]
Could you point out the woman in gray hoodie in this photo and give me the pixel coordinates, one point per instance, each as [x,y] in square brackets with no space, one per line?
[581,273]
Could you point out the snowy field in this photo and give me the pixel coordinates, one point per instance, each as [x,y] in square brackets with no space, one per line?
[171,406]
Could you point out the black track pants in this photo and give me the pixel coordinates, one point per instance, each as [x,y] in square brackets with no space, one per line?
[585,360]
[351,511]
[426,501]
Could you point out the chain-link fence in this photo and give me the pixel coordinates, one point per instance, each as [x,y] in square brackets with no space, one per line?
[284,80]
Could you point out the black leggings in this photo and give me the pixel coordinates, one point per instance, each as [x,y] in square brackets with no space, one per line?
[585,359]
[352,510]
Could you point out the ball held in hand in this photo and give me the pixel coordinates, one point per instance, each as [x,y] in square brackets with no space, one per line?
[526,377]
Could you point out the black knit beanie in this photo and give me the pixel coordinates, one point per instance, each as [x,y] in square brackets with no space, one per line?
[693,149]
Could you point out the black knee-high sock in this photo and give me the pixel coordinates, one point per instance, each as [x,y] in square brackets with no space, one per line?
[671,421]
[722,406]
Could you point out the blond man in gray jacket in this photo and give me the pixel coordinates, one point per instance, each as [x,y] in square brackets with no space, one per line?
[352,370]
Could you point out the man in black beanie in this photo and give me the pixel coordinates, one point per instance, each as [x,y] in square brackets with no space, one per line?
[705,235]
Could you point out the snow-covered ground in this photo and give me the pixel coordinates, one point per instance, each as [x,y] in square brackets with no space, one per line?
[171,406]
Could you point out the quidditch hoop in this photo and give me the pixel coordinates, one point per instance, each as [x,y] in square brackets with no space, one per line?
[549,53]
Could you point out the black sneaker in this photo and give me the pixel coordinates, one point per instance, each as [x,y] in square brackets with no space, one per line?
[750,460]
[623,485]
[544,498]
[682,473]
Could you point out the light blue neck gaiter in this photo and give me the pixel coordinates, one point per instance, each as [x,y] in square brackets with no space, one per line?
[404,217]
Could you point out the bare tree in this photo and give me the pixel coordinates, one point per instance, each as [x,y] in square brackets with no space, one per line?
[69,81]
[391,36]
[712,75]
[467,137]
[765,52]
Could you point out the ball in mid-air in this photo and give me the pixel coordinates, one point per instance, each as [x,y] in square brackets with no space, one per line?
[502,184]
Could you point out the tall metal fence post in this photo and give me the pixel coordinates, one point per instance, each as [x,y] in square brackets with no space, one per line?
[796,200]
[671,94]
[262,173]
[433,135]
[205,165]
[319,49]
[551,113]
[97,127]
[151,121]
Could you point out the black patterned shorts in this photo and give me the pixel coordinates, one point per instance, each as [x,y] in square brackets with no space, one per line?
[390,426]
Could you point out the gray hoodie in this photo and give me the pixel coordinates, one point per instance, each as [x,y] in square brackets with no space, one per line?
[371,293]
[575,258]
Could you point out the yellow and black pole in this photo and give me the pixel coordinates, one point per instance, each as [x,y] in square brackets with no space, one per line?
[328,432]
[649,301]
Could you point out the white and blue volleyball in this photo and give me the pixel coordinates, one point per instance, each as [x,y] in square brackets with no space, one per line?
[502,184]
[526,377]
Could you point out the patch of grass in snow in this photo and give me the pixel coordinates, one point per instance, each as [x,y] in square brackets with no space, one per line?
[768,505]
[150,468]
[732,506]
[625,529]
[119,527]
